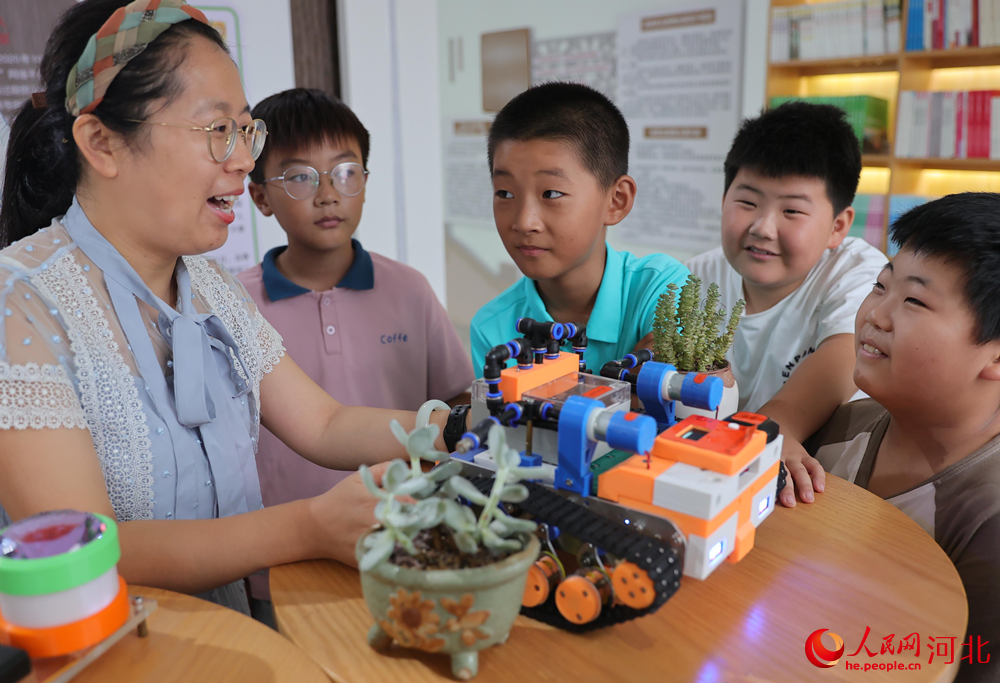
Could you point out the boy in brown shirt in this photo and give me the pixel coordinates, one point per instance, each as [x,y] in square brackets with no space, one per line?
[927,340]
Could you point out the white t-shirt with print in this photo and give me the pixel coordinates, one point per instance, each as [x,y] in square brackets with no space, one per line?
[769,345]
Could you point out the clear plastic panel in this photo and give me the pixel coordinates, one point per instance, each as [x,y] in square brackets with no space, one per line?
[610,392]
[479,391]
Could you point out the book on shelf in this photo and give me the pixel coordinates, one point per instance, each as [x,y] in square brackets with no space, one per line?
[898,205]
[868,116]
[832,30]
[950,24]
[869,218]
[948,125]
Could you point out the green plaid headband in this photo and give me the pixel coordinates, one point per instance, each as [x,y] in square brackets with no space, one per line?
[124,35]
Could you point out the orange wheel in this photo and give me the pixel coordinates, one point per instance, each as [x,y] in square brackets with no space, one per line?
[633,587]
[536,589]
[578,599]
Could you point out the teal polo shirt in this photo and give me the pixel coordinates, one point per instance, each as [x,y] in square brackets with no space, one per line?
[622,315]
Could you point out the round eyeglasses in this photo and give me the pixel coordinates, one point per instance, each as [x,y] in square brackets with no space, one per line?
[222,134]
[301,182]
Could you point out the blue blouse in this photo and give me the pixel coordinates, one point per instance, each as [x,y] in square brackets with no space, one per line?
[170,394]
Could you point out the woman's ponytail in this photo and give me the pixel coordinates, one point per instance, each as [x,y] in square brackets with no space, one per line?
[41,171]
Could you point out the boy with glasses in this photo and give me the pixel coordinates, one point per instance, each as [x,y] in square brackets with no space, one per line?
[367,329]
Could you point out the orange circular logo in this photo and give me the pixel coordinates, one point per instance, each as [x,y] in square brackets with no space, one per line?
[818,654]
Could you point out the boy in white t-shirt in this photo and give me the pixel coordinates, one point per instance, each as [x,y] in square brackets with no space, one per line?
[791,176]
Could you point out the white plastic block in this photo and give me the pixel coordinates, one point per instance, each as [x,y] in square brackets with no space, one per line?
[693,491]
[703,493]
[697,561]
[484,460]
[771,453]
[762,504]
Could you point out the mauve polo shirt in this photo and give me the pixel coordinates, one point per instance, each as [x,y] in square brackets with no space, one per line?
[380,338]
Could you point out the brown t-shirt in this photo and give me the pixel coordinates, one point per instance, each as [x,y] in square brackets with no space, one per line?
[959,507]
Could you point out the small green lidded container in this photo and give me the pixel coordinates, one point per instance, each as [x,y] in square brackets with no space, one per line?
[59,586]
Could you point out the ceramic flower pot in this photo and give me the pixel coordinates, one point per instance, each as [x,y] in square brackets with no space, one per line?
[729,404]
[452,611]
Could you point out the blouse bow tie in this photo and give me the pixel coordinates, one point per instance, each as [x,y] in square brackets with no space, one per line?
[193,336]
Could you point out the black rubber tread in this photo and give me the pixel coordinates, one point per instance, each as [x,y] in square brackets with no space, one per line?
[782,477]
[768,426]
[660,560]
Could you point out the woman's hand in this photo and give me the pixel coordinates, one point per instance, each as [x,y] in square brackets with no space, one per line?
[342,515]
[805,474]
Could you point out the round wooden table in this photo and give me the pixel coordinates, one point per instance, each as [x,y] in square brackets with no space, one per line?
[847,562]
[194,640]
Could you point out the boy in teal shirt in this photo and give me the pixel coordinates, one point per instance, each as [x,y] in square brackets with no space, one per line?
[558,156]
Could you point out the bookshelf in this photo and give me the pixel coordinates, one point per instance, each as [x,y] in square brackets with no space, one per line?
[956,57]
[885,76]
[842,65]
[876,160]
[980,165]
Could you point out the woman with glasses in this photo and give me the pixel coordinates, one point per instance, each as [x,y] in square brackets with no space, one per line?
[134,374]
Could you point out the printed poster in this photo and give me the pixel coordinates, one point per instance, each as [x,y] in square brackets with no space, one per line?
[24,29]
[240,250]
[679,78]
[588,59]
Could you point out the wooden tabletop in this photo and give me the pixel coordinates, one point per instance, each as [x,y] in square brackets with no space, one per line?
[848,561]
[193,640]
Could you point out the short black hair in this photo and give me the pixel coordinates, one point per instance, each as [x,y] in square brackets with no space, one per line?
[572,113]
[301,117]
[963,229]
[800,139]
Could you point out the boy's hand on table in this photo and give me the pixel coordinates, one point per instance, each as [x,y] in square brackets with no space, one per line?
[820,384]
[805,474]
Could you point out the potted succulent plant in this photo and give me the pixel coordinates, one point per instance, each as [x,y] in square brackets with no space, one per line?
[686,334]
[435,575]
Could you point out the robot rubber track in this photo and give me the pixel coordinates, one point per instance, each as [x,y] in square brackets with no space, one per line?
[660,558]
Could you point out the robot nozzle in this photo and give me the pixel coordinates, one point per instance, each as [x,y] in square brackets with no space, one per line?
[475,437]
[693,389]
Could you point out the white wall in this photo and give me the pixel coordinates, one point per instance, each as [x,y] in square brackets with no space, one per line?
[388,63]
[755,40]
[268,67]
